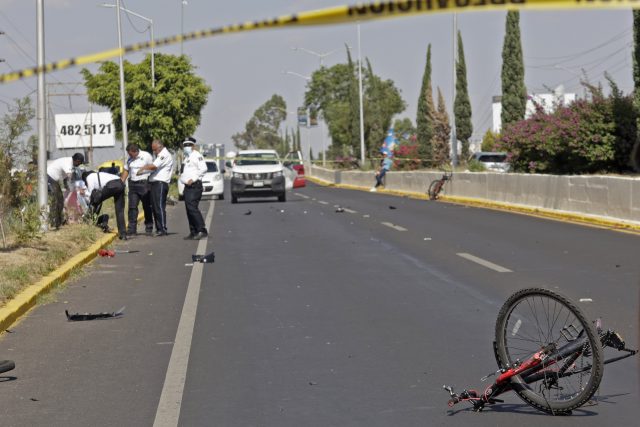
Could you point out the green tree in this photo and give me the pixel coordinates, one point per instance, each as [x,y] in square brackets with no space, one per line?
[489,141]
[514,92]
[441,134]
[170,112]
[262,130]
[13,126]
[462,105]
[635,154]
[354,105]
[405,130]
[426,114]
[382,102]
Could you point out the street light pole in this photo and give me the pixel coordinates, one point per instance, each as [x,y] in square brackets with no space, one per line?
[150,21]
[123,102]
[42,125]
[361,104]
[183,3]
[324,159]
[321,56]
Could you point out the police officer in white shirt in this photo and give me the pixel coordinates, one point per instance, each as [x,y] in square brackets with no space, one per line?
[159,180]
[139,190]
[194,169]
[60,170]
[111,186]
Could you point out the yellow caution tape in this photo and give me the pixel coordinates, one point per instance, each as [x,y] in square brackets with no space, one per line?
[336,15]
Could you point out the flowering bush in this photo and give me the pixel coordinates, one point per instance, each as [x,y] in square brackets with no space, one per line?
[579,138]
[406,157]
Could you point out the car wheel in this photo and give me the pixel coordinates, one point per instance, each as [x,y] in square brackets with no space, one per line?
[282,197]
[234,199]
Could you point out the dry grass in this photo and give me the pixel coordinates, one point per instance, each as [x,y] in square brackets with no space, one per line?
[24,265]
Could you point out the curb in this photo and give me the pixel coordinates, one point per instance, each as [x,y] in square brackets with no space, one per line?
[582,219]
[28,298]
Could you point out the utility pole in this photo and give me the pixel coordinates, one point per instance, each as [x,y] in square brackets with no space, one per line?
[43,204]
[454,138]
[123,101]
[362,158]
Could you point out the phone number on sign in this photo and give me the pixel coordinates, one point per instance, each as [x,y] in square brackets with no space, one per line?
[71,130]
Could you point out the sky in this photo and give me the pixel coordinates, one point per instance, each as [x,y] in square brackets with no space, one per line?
[245,70]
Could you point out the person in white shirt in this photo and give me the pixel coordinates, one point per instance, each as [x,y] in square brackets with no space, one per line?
[159,180]
[194,169]
[110,185]
[60,170]
[139,190]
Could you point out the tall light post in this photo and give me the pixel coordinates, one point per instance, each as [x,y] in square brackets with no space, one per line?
[41,118]
[183,3]
[361,103]
[321,56]
[150,27]
[324,150]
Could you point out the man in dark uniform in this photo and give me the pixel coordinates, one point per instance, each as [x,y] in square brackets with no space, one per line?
[194,169]
[139,190]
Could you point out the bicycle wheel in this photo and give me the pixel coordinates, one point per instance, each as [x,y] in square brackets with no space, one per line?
[434,189]
[533,319]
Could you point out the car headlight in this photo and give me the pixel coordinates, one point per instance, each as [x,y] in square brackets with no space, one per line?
[277,174]
[237,175]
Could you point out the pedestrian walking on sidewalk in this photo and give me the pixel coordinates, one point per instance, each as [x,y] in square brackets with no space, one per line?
[139,191]
[194,169]
[159,180]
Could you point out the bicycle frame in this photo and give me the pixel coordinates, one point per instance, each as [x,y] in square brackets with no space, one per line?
[535,368]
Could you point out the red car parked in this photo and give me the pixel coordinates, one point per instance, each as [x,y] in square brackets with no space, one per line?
[293,160]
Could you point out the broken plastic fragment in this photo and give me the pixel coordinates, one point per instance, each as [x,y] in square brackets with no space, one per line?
[75,317]
[203,258]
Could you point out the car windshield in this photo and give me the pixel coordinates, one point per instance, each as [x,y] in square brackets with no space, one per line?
[212,167]
[248,159]
[493,158]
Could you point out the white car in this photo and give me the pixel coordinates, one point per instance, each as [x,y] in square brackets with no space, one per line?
[257,173]
[493,161]
[212,182]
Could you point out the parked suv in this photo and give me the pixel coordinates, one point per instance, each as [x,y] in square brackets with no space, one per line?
[257,173]
[493,161]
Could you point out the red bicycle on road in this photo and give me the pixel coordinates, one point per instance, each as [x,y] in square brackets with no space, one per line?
[548,353]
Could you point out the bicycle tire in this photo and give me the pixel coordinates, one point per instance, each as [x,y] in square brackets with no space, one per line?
[6,366]
[519,322]
[434,189]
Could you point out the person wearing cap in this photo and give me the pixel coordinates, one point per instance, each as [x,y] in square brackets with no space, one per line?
[110,186]
[139,190]
[194,170]
[385,165]
[58,170]
[159,180]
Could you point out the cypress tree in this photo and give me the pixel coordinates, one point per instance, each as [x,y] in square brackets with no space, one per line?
[425,116]
[514,92]
[635,153]
[441,134]
[462,105]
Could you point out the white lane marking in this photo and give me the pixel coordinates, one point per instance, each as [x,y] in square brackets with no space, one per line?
[322,202]
[168,412]
[351,211]
[395,227]
[586,300]
[484,263]
[302,195]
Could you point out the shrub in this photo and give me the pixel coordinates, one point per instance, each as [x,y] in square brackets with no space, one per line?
[407,157]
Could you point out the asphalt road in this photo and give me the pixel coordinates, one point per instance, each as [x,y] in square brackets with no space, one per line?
[312,317]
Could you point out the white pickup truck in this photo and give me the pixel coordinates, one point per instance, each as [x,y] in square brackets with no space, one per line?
[257,173]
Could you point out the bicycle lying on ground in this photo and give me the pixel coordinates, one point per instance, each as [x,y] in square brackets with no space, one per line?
[547,352]
[436,185]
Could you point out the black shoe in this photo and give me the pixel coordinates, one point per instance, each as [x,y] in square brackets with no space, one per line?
[132,233]
[149,232]
[200,235]
[160,233]
[189,237]
[122,236]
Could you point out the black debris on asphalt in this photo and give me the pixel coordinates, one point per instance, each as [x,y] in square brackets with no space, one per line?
[392,207]
[77,317]
[203,258]
[247,213]
[340,210]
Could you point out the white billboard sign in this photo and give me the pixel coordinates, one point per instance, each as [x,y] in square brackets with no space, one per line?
[85,130]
